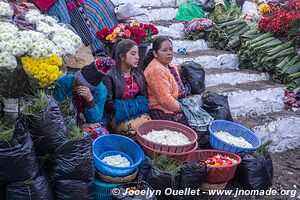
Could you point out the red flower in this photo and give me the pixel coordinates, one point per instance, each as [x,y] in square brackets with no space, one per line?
[279,21]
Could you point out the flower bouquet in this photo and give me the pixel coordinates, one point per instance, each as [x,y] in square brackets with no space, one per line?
[136,31]
[32,54]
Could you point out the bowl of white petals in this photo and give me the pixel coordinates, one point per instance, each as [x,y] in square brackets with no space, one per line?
[116,155]
[166,136]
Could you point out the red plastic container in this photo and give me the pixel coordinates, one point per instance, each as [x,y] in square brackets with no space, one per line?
[177,156]
[220,174]
[148,126]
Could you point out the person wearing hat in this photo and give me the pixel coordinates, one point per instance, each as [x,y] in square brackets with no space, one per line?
[87,91]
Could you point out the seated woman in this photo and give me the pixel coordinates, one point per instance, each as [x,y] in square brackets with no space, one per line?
[164,84]
[88,94]
[127,102]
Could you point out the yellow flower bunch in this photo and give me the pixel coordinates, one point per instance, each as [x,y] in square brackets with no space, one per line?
[45,70]
[112,37]
[264,8]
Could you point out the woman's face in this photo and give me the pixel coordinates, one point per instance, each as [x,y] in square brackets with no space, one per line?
[165,53]
[132,57]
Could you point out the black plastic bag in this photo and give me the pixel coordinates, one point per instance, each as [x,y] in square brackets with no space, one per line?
[255,172]
[74,160]
[191,176]
[194,74]
[18,161]
[2,192]
[48,128]
[217,106]
[209,5]
[142,186]
[37,189]
[187,86]
[73,190]
[157,179]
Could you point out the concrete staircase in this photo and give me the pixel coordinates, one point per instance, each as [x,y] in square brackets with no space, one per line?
[255,101]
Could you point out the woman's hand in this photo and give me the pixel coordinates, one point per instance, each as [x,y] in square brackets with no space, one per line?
[91,126]
[85,93]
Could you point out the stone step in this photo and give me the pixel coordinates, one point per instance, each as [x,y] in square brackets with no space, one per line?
[215,77]
[280,127]
[253,98]
[152,3]
[155,14]
[190,46]
[174,31]
[209,58]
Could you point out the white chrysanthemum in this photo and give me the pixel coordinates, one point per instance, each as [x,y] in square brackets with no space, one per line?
[6,36]
[7,60]
[33,16]
[43,27]
[5,10]
[33,35]
[42,49]
[6,27]
[49,19]
[17,47]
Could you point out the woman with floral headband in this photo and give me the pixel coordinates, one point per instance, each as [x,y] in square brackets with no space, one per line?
[88,94]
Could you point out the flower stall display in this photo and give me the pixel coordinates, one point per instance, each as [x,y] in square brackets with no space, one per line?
[219,160]
[236,141]
[39,43]
[167,137]
[48,38]
[136,31]
[116,161]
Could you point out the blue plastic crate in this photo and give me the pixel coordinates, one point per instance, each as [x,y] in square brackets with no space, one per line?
[103,188]
[236,130]
[98,196]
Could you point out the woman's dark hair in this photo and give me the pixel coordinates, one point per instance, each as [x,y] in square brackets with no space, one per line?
[156,45]
[121,47]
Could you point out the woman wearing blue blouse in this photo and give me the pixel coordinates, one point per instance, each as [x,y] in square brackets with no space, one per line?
[88,93]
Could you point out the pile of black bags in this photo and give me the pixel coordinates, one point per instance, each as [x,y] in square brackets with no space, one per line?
[66,174]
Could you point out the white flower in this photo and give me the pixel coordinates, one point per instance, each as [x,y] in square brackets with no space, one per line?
[32,35]
[5,10]
[17,46]
[43,27]
[42,49]
[6,36]
[236,141]
[167,137]
[6,27]
[7,60]
[50,20]
[116,160]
